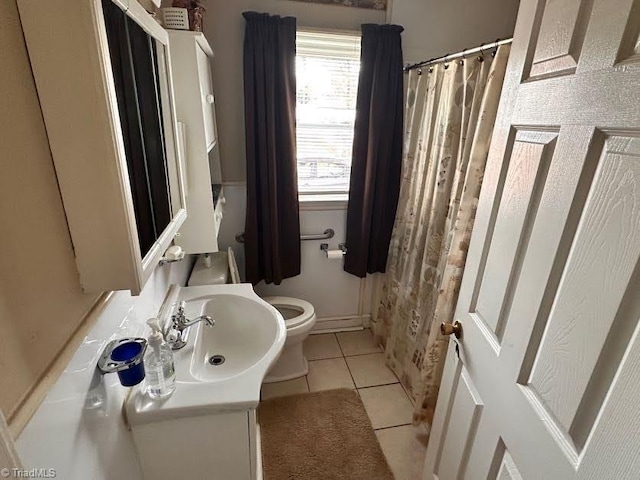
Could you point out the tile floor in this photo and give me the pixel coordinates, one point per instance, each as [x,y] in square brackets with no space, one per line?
[354,360]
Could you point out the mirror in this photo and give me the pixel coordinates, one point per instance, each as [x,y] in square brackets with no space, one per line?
[140,74]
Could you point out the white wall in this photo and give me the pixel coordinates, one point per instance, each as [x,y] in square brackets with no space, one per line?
[335,294]
[41,302]
[323,282]
[435,27]
[79,429]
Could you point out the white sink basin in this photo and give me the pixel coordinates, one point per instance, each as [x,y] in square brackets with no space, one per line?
[245,332]
[249,334]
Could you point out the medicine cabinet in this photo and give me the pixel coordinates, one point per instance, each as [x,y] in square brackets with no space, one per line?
[102,72]
[195,105]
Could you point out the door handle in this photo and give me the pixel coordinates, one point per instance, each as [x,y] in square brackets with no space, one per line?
[449,328]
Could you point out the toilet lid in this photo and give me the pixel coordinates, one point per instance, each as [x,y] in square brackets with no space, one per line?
[294,310]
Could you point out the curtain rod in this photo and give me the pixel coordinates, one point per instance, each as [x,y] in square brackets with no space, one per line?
[463,53]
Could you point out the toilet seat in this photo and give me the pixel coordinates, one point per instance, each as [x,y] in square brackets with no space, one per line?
[294,310]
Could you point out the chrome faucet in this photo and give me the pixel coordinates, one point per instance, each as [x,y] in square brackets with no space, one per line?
[180,324]
[202,318]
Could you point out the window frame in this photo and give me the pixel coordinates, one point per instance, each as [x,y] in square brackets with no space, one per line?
[324,199]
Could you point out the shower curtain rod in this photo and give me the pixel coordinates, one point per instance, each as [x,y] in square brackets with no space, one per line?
[463,53]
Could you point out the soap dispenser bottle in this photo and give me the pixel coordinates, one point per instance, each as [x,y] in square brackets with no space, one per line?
[158,364]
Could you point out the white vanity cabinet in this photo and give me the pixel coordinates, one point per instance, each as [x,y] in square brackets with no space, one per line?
[195,108]
[102,72]
[216,446]
[207,428]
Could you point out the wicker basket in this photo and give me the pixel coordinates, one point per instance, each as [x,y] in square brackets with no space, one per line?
[175,18]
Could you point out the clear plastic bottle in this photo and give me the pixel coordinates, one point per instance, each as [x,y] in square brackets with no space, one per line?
[160,374]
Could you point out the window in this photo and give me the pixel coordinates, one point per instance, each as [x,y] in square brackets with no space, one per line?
[327,69]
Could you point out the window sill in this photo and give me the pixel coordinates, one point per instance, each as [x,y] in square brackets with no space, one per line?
[323,201]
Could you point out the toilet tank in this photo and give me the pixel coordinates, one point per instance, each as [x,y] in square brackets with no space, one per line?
[216,274]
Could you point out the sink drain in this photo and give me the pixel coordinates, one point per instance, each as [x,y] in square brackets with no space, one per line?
[216,360]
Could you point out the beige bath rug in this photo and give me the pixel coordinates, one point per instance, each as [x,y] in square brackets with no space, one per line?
[320,436]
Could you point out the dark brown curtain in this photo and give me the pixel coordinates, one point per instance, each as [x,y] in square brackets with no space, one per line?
[377,151]
[272,227]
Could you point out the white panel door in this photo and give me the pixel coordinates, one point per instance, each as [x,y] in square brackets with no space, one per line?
[546,384]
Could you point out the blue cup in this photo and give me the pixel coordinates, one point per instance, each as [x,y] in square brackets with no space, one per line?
[129,355]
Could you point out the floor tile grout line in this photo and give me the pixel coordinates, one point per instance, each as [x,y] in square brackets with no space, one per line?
[379,352]
[337,343]
[378,385]
[392,426]
[351,374]
[324,358]
[386,385]
[345,362]
[353,382]
[382,385]
[413,404]
[388,368]
[358,354]
[339,346]
[346,356]
[394,374]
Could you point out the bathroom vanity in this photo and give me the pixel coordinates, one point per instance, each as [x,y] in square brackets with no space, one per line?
[208,427]
[223,445]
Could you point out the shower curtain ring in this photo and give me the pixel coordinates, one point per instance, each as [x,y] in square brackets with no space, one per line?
[495,49]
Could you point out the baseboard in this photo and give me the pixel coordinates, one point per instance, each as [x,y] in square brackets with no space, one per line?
[339,324]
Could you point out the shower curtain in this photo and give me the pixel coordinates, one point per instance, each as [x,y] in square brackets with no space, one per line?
[449,117]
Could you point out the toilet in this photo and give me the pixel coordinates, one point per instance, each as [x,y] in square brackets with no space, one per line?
[299,315]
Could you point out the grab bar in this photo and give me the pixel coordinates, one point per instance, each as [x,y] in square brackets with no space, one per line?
[328,233]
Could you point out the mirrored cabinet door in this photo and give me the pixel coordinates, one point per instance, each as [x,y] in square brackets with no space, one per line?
[102,71]
[134,62]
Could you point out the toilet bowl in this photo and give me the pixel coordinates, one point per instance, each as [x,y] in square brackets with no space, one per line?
[299,318]
[299,315]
